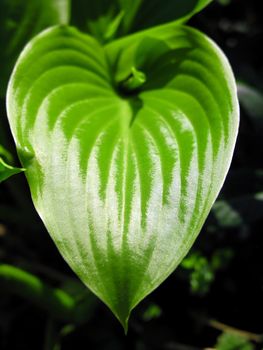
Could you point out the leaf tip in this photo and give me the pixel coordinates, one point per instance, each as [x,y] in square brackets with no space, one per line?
[123,318]
[125,324]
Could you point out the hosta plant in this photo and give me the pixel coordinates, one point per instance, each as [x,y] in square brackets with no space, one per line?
[126,140]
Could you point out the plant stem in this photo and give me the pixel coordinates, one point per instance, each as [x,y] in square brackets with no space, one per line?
[50,341]
[258,338]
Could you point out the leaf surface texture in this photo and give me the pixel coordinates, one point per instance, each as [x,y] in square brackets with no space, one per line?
[123,181]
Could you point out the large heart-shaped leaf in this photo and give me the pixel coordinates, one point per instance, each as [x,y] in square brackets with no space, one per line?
[19,22]
[126,148]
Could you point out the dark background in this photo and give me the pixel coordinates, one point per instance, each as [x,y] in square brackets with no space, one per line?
[222,277]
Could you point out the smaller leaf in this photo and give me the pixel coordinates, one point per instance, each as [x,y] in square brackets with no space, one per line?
[113,26]
[252,101]
[7,155]
[155,13]
[7,170]
[108,19]
[100,18]
[153,311]
[229,341]
[221,258]
[130,8]
[239,210]
[19,22]
[202,273]
[224,2]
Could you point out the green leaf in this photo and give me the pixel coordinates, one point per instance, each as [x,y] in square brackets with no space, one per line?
[230,341]
[252,101]
[239,211]
[106,19]
[153,12]
[19,22]
[123,180]
[153,311]
[202,271]
[224,2]
[7,170]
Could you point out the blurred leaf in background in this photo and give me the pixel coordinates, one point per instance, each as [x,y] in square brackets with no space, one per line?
[19,22]
[107,19]
[224,2]
[153,311]
[203,271]
[239,210]
[251,100]
[230,341]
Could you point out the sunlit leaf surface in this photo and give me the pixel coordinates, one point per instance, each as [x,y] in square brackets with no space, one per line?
[123,174]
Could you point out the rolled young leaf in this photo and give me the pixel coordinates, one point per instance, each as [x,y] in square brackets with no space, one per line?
[126,147]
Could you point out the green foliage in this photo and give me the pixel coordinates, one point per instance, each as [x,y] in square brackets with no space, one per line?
[74,304]
[7,170]
[153,311]
[153,12]
[202,271]
[224,2]
[238,210]
[19,22]
[252,101]
[230,341]
[126,147]
[107,19]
